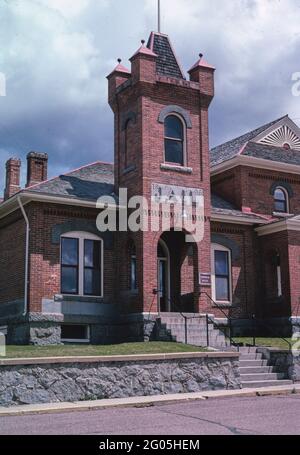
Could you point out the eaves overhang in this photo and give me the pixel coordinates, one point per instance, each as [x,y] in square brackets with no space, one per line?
[259,163]
[231,219]
[292,224]
[12,205]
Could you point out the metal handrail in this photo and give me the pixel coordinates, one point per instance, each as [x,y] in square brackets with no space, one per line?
[269,327]
[209,319]
[184,316]
[232,342]
[254,320]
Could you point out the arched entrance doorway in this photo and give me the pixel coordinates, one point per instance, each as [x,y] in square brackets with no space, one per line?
[177,274]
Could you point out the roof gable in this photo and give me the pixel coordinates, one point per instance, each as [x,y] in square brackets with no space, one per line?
[285,132]
[281,133]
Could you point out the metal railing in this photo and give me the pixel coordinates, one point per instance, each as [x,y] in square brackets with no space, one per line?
[270,328]
[222,329]
[255,323]
[227,331]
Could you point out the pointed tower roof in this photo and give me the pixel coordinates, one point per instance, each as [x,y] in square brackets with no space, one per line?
[144,51]
[167,63]
[120,69]
[201,63]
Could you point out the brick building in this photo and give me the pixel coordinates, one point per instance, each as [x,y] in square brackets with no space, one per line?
[61,279]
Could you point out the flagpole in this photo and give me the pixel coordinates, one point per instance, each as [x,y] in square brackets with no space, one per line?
[159,18]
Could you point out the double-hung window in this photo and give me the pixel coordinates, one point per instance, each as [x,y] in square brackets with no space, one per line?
[81,264]
[222,274]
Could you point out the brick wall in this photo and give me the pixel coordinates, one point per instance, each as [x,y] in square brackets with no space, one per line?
[236,185]
[244,269]
[12,258]
[294,269]
[271,305]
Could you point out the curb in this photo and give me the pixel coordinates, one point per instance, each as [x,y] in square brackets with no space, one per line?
[139,402]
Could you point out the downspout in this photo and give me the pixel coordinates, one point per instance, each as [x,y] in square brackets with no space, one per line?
[25,310]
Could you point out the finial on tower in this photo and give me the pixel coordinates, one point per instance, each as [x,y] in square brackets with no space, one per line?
[119,60]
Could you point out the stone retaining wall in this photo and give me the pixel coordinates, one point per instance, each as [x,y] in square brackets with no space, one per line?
[93,378]
[284,361]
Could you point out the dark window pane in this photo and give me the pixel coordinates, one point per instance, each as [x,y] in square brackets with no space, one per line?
[280,206]
[92,282]
[74,332]
[133,274]
[92,253]
[69,280]
[69,251]
[279,195]
[222,289]
[221,263]
[173,152]
[173,127]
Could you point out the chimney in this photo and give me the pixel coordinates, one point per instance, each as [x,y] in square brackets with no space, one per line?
[37,167]
[12,186]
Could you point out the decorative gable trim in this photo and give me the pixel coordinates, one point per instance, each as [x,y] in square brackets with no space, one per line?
[283,132]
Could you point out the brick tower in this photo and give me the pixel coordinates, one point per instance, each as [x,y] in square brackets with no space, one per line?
[161,138]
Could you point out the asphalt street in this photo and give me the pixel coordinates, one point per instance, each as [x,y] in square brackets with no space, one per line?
[276,415]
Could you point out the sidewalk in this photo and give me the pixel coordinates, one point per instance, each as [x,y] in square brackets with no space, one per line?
[55,408]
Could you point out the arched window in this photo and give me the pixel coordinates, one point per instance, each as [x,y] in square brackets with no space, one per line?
[174,140]
[81,264]
[221,274]
[281,200]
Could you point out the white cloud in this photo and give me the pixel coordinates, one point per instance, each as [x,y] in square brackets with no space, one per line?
[68,8]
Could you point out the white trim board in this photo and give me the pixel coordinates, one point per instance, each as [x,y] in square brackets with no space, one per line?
[285,225]
[251,162]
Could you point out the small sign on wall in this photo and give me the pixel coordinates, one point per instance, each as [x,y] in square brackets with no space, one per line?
[205,279]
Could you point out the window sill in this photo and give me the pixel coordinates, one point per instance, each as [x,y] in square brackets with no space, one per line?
[77,298]
[176,168]
[76,341]
[282,215]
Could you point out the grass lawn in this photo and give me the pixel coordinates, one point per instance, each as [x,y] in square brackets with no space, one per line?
[88,350]
[270,342]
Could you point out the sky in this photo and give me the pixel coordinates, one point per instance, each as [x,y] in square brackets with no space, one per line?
[55,56]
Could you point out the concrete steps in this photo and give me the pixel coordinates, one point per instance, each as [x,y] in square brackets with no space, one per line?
[255,371]
[261,384]
[192,330]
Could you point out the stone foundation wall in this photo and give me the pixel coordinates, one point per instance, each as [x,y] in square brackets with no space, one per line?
[52,380]
[284,361]
[44,329]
